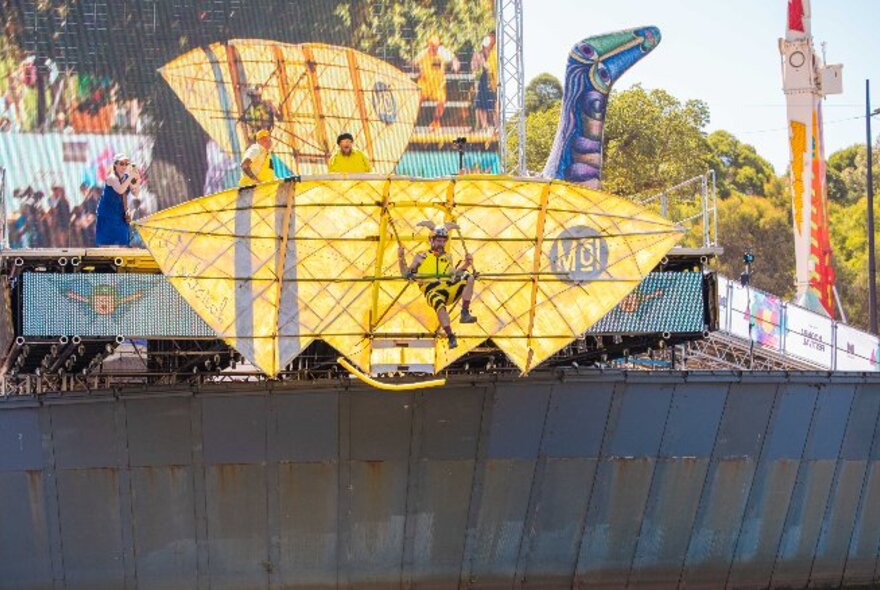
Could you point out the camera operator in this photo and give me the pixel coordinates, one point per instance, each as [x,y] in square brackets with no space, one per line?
[113,225]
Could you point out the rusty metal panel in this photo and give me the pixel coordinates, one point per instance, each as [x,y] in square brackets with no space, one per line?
[806,512]
[746,414]
[713,539]
[862,558]
[84,435]
[437,517]
[833,545]
[576,419]
[234,429]
[378,505]
[90,524]
[304,427]
[555,530]
[830,422]
[617,481]
[694,419]
[450,423]
[635,424]
[380,426]
[20,440]
[666,527]
[517,421]
[790,422]
[169,416]
[613,521]
[774,482]
[164,526]
[25,560]
[237,524]
[503,501]
[308,523]
[810,498]
[859,439]
[716,528]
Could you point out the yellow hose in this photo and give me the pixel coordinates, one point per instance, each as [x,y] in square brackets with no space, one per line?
[388,386]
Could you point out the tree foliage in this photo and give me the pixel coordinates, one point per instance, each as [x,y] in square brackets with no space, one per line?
[849,244]
[540,131]
[738,166]
[542,92]
[402,28]
[653,141]
[754,224]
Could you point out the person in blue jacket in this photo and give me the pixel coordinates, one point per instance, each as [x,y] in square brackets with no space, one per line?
[113,225]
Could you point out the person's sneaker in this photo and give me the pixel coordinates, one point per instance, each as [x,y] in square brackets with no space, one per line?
[453,341]
[467,318]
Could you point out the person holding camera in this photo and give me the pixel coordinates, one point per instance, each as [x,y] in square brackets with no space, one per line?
[113,227]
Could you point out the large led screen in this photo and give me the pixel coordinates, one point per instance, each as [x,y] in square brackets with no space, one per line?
[183,86]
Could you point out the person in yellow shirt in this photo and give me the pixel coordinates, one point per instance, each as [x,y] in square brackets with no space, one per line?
[442,283]
[256,167]
[432,62]
[348,160]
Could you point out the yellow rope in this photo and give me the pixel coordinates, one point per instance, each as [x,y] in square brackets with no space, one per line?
[388,386]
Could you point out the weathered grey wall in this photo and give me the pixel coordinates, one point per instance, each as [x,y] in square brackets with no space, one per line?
[607,480]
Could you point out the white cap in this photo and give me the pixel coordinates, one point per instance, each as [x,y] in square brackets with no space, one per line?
[119,157]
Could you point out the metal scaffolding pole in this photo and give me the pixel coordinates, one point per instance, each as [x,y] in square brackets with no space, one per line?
[511,84]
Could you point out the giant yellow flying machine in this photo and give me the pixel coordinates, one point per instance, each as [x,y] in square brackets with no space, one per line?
[275,267]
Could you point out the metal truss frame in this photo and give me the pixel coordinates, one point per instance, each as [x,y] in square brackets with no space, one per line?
[721,351]
[511,84]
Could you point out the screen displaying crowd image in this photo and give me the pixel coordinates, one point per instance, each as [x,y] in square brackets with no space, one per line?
[405,93]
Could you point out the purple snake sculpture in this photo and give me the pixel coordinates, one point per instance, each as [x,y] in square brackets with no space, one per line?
[594,65]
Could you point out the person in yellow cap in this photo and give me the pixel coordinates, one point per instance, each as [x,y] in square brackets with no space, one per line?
[256,166]
[348,160]
[432,62]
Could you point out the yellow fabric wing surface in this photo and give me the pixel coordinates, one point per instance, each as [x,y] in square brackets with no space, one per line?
[274,267]
[316,92]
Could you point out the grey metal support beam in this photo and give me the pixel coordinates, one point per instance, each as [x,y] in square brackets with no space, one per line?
[511,84]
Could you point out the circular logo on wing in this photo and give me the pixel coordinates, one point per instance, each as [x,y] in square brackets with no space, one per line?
[384,103]
[579,252]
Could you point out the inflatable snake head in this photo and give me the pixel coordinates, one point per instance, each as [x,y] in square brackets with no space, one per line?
[594,65]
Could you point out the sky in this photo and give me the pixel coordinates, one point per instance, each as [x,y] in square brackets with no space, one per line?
[725,53]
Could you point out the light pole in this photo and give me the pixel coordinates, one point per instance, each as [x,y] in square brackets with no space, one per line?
[872,273]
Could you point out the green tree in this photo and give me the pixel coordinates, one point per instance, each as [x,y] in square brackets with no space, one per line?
[855,177]
[653,141]
[778,191]
[849,244]
[402,28]
[542,92]
[739,167]
[844,158]
[540,131]
[847,173]
[755,224]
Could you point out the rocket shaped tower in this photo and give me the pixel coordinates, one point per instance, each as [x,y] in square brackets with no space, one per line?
[806,80]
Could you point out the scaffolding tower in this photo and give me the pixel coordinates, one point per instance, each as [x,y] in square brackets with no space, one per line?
[511,84]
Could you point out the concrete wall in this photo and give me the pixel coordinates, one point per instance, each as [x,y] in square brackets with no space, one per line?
[608,480]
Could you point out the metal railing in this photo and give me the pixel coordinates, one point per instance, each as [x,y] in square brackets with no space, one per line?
[767,324]
[692,204]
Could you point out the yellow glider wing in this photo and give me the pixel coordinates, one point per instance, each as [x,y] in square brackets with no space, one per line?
[274,267]
[315,91]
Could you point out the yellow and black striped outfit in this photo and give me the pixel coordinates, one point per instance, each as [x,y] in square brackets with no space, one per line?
[435,280]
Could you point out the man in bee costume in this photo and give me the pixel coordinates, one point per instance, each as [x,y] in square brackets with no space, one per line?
[442,284]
